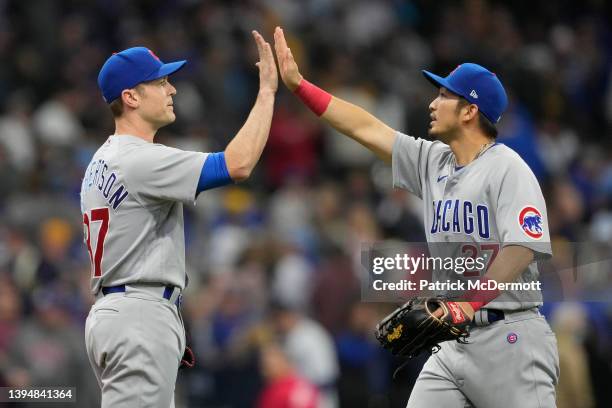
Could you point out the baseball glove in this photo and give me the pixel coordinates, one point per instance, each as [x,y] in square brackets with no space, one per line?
[413,328]
[188,359]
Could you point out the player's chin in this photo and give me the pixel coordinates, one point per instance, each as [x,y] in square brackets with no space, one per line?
[437,132]
[170,117]
[432,131]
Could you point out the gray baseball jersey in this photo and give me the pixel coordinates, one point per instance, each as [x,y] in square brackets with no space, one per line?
[492,202]
[132,199]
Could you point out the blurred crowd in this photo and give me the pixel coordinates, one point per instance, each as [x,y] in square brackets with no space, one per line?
[273,306]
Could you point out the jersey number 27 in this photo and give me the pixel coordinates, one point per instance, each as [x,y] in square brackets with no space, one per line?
[97,215]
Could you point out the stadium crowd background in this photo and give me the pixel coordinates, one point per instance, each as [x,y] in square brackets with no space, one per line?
[273,263]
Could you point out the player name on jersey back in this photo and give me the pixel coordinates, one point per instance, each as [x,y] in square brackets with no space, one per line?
[96,176]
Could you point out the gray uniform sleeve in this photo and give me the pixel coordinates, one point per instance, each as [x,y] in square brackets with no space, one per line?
[409,160]
[521,211]
[158,172]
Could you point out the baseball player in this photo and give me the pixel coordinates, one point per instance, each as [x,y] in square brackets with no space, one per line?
[132,199]
[479,195]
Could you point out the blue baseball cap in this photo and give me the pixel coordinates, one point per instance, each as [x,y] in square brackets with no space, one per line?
[128,68]
[476,84]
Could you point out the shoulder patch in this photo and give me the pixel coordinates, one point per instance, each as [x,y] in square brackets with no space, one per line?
[530,220]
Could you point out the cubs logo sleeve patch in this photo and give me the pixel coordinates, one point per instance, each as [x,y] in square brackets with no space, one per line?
[530,220]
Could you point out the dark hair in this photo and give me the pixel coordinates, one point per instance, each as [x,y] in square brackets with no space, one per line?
[116,107]
[485,125]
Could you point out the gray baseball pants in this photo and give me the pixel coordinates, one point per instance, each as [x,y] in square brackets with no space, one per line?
[135,341]
[510,363]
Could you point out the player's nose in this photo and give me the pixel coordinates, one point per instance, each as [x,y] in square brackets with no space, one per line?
[433,104]
[172,89]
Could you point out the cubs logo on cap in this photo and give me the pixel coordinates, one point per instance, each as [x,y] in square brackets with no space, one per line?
[530,220]
[154,55]
[128,68]
[512,338]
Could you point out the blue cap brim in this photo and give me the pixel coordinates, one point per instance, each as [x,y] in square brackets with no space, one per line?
[438,82]
[167,69]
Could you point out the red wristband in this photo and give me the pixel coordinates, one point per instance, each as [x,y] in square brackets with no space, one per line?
[314,97]
[477,298]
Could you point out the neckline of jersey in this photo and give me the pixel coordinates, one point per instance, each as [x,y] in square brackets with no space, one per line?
[458,168]
[130,136]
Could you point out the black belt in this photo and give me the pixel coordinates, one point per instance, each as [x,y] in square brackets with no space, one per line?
[495,315]
[484,317]
[168,290]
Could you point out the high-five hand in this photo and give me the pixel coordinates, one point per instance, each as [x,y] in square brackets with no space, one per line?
[268,76]
[286,63]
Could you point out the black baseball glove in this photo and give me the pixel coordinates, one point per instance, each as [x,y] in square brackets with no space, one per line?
[413,328]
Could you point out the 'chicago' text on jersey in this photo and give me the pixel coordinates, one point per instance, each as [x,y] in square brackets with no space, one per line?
[459,216]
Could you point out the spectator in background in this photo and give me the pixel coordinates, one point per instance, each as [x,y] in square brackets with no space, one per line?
[293,276]
[231,229]
[565,210]
[399,218]
[290,214]
[56,122]
[335,287]
[10,322]
[364,366]
[291,151]
[221,338]
[329,217]
[517,131]
[559,147]
[48,350]
[574,389]
[16,134]
[55,236]
[22,258]
[285,388]
[310,349]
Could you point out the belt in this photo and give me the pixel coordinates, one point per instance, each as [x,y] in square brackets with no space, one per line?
[168,291]
[485,317]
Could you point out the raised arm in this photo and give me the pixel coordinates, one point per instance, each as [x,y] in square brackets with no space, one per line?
[345,117]
[244,150]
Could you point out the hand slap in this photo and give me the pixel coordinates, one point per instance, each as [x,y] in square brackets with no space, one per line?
[288,68]
[268,75]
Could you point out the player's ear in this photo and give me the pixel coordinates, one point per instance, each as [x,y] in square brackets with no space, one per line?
[469,112]
[130,98]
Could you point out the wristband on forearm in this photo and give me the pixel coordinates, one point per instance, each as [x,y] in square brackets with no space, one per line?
[477,298]
[314,97]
